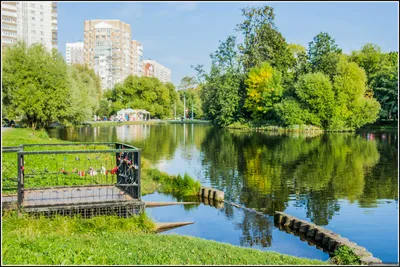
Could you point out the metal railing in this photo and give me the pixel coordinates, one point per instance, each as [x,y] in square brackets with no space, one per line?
[80,173]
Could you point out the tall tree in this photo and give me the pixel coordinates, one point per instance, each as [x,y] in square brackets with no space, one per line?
[324,54]
[220,91]
[262,40]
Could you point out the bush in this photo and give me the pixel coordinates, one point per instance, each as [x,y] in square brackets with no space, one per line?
[345,256]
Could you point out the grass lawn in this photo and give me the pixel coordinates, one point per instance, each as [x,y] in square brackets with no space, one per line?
[110,240]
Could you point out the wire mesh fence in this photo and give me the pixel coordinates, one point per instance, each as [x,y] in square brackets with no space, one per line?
[9,170]
[51,175]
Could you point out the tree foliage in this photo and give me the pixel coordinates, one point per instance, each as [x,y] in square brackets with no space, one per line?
[190,91]
[262,40]
[264,90]
[341,105]
[147,93]
[324,54]
[266,80]
[85,93]
[221,89]
[39,88]
[382,75]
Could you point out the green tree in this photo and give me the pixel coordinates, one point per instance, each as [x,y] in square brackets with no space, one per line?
[264,90]
[301,65]
[341,105]
[220,89]
[147,93]
[382,77]
[85,93]
[369,58]
[262,41]
[324,54]
[315,92]
[352,109]
[386,91]
[35,85]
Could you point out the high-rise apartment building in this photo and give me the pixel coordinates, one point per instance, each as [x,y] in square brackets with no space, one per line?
[31,22]
[152,68]
[74,53]
[8,23]
[108,50]
[137,54]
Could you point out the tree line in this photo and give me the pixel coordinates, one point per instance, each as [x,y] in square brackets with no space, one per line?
[263,80]
[40,88]
[266,81]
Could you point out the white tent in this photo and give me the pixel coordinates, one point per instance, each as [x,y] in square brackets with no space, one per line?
[135,112]
[125,111]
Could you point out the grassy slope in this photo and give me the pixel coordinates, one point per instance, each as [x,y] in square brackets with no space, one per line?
[110,240]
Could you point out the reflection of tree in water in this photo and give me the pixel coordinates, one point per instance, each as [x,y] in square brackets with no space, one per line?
[221,162]
[382,179]
[320,206]
[263,171]
[256,230]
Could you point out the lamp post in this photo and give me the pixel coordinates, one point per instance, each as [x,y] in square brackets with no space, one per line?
[184,106]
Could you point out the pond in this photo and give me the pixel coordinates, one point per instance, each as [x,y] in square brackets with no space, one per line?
[346,182]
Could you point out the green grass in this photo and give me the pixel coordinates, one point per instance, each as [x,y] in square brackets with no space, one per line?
[345,256]
[274,128]
[177,185]
[116,241]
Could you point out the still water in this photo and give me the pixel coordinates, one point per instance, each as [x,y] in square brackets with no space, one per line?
[346,182]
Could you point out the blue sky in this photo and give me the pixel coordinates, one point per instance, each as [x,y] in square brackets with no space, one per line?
[180,34]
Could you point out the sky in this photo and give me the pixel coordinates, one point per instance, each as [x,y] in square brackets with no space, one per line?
[181,34]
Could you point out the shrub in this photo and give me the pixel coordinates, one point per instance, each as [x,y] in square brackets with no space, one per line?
[345,256]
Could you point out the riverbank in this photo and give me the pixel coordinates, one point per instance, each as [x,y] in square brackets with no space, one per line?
[387,126]
[273,128]
[113,241]
[384,125]
[25,239]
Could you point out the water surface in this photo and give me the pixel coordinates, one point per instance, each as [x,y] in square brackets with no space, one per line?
[346,182]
